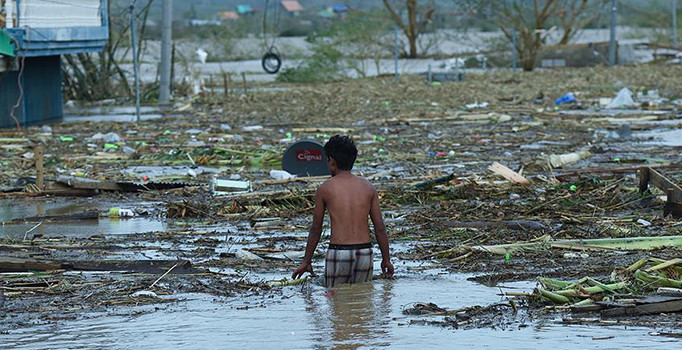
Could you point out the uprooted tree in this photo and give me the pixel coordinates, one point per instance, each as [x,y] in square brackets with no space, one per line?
[417,20]
[534,22]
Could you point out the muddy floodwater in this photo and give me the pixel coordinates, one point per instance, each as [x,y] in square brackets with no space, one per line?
[357,316]
[298,317]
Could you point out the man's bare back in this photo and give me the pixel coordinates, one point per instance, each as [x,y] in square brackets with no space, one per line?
[349,200]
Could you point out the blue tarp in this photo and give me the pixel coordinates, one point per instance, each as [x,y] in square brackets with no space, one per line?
[340,8]
[244,9]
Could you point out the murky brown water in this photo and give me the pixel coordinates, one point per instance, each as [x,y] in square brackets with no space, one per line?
[364,316]
[11,209]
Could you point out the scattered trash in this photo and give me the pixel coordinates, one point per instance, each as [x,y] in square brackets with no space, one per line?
[111,137]
[144,293]
[573,255]
[252,128]
[643,222]
[227,187]
[559,160]
[120,212]
[623,99]
[510,175]
[281,175]
[477,105]
[566,98]
[248,256]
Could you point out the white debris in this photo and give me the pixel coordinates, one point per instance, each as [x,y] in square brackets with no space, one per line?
[643,222]
[246,255]
[252,128]
[145,293]
[572,255]
[202,55]
[623,99]
[281,175]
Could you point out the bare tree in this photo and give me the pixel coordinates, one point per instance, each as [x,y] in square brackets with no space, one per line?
[96,76]
[531,23]
[414,26]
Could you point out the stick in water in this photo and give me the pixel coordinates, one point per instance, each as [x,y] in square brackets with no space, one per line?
[162,276]
[33,228]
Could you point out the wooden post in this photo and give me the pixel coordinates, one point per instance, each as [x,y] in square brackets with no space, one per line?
[38,156]
[244,81]
[225,92]
[643,179]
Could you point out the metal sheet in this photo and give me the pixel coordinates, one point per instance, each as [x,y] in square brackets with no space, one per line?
[60,14]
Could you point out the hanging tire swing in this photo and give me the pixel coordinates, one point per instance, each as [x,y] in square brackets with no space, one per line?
[271,61]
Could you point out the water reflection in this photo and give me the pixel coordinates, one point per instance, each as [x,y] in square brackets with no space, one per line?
[353,315]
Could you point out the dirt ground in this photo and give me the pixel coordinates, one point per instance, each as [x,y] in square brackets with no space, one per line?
[408,134]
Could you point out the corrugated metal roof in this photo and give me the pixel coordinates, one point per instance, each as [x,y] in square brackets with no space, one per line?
[292,6]
[244,9]
[225,15]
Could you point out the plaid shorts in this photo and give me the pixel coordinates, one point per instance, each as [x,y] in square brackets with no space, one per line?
[348,264]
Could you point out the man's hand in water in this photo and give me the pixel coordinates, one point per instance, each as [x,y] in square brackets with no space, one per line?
[303,268]
[387,268]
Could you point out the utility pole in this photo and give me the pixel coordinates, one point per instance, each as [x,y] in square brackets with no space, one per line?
[395,52]
[514,53]
[674,10]
[136,68]
[166,38]
[612,43]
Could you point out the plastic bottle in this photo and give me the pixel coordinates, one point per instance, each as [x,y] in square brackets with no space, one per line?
[120,212]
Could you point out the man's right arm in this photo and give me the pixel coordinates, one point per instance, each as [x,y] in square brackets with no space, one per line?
[381,236]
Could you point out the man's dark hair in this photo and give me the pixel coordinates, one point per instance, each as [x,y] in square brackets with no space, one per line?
[342,149]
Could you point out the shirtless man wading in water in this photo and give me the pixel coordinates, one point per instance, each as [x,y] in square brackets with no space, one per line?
[350,200]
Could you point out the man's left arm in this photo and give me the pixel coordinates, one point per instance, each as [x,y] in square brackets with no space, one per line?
[381,236]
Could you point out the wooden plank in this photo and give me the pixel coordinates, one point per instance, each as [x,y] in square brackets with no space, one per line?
[508,174]
[40,173]
[11,264]
[661,182]
[643,179]
[645,309]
